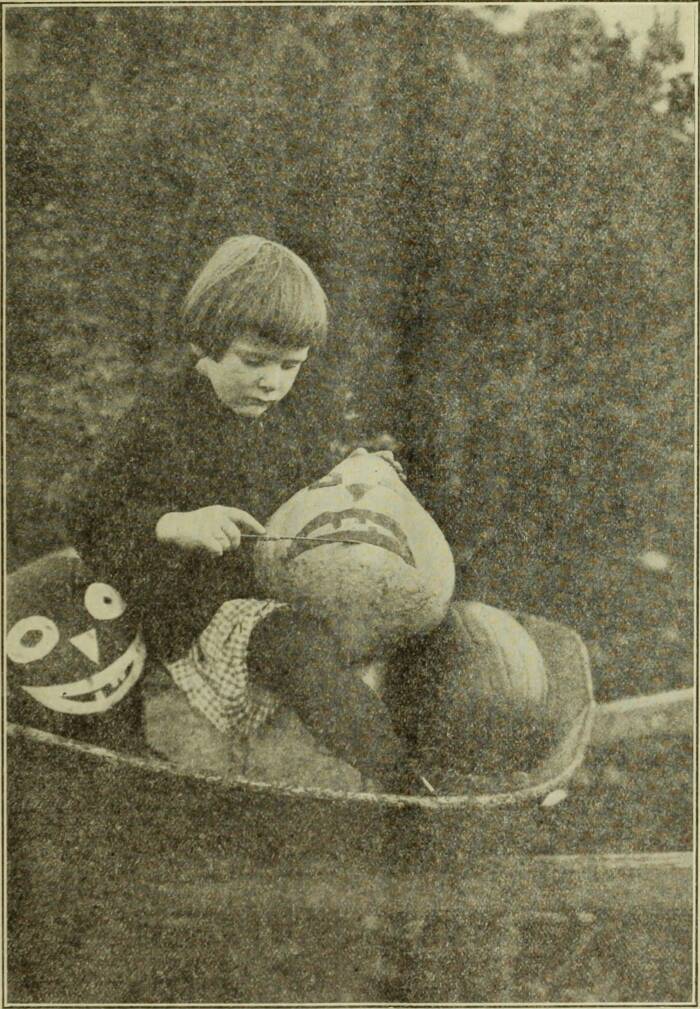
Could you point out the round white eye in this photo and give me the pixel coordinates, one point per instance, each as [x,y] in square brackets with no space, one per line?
[31,639]
[103,602]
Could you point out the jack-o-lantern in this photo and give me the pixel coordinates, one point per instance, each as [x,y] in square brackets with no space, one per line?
[74,656]
[393,577]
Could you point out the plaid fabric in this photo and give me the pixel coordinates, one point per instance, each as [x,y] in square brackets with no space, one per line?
[214,672]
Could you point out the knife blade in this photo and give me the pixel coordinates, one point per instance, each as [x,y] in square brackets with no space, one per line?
[304,539]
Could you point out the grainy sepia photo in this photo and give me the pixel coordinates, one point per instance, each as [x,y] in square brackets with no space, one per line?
[349,503]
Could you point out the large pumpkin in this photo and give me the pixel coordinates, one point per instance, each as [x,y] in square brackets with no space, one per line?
[395,579]
[74,653]
[494,703]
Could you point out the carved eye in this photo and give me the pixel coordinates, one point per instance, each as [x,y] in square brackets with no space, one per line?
[103,602]
[31,639]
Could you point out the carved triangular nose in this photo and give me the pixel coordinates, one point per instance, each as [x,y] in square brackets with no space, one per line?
[87,644]
[358,490]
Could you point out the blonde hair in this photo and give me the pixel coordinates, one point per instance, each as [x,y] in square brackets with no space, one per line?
[252,284]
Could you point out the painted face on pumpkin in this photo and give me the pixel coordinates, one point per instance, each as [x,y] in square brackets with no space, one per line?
[70,646]
[360,525]
[392,577]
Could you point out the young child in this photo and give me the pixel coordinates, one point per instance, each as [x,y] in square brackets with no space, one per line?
[195,465]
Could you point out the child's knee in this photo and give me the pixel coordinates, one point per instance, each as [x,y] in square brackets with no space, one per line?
[289,639]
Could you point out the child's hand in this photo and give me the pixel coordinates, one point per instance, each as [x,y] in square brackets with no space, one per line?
[385,454]
[214,529]
[393,461]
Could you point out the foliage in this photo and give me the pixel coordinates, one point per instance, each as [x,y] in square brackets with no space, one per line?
[504,227]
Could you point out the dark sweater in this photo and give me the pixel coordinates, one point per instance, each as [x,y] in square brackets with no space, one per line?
[179,449]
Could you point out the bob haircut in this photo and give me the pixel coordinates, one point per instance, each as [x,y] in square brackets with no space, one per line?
[252,285]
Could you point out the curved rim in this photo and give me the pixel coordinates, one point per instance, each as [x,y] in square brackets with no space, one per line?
[241,784]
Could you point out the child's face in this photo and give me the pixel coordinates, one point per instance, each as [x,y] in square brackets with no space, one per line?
[253,375]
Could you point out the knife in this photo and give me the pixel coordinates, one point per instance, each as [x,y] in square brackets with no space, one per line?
[304,539]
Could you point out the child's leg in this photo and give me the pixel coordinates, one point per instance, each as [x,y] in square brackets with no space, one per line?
[255,653]
[294,654]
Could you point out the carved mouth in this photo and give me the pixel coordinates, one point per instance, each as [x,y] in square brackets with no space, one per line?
[95,694]
[358,524]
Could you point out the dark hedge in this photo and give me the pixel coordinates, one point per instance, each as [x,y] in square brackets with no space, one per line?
[504,225]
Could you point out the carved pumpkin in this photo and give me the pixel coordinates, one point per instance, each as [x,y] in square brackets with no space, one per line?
[397,580]
[73,654]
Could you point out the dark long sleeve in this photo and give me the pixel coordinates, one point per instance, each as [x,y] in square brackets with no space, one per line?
[112,520]
[178,449]
[113,517]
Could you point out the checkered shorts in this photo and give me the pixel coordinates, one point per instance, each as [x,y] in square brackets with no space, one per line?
[214,672]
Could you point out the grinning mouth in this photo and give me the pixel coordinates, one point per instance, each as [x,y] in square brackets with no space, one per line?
[359,525]
[95,694]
